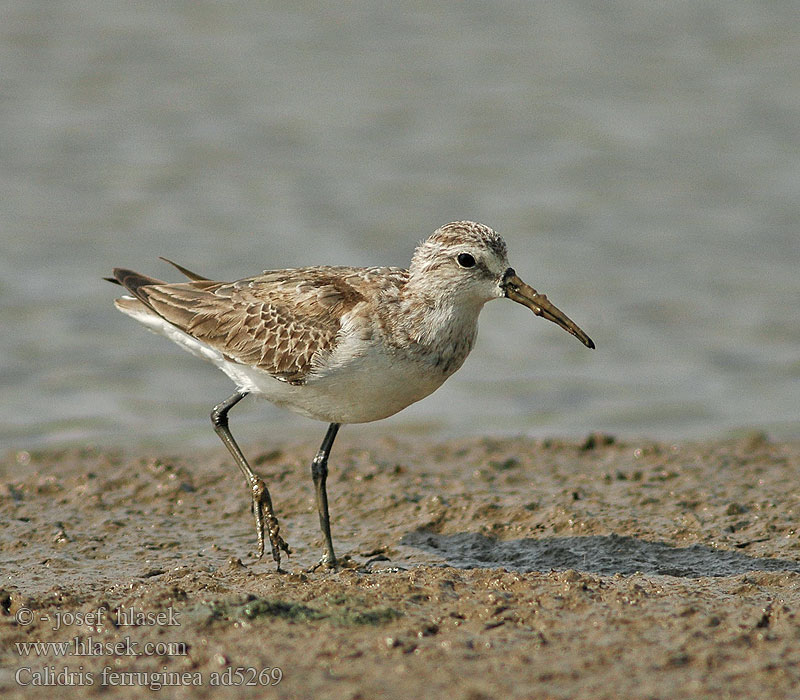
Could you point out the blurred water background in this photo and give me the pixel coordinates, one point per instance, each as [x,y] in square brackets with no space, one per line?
[641,159]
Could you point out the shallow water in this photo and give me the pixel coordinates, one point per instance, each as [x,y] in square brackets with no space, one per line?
[642,162]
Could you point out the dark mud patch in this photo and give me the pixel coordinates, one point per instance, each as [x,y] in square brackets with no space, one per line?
[340,609]
[599,554]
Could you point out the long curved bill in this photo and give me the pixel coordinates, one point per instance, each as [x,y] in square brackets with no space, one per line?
[524,294]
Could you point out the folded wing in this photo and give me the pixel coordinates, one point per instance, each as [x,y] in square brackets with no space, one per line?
[280,322]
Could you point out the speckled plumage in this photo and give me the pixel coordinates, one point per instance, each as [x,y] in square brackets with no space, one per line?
[279,321]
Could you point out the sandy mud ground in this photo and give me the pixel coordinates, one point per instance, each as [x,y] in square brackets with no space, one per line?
[514,569]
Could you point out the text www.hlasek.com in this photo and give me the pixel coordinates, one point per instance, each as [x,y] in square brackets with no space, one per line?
[79,646]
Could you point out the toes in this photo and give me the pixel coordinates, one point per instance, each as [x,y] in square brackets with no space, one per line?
[266,523]
[327,563]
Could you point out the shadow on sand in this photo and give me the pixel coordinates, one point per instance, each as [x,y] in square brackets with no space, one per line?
[600,554]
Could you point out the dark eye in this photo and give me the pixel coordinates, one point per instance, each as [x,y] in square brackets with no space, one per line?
[465,260]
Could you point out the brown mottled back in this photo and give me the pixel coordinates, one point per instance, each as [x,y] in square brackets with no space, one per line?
[277,321]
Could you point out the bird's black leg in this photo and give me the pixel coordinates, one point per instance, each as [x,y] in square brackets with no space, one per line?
[319,473]
[262,503]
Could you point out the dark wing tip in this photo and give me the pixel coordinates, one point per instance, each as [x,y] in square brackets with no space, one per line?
[132,281]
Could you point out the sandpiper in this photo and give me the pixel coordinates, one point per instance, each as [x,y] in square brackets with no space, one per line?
[338,344]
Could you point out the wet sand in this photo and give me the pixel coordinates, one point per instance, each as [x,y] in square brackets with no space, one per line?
[479,568]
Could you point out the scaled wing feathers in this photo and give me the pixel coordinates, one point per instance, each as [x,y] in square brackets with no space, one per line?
[276,321]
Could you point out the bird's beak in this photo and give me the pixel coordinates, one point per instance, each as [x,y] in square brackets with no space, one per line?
[518,291]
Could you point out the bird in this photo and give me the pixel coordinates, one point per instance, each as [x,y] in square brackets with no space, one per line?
[337,344]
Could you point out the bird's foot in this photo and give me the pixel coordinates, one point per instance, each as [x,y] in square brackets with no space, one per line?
[327,562]
[267,523]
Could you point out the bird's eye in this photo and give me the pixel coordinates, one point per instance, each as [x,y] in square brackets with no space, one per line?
[465,260]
